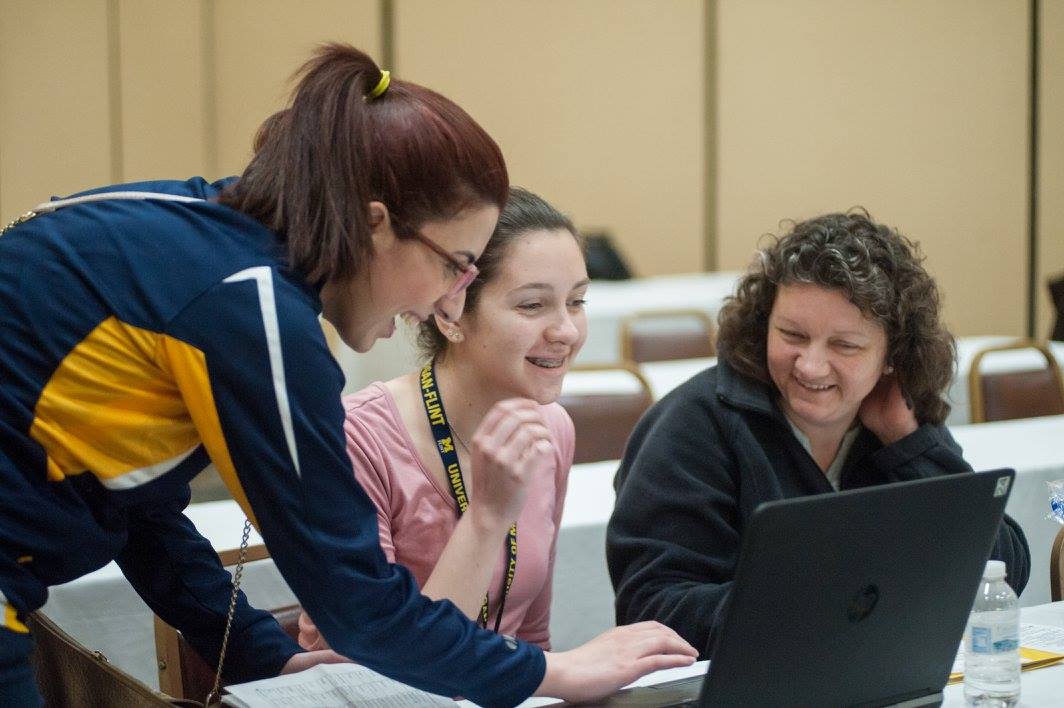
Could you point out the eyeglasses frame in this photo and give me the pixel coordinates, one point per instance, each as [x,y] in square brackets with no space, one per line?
[468,271]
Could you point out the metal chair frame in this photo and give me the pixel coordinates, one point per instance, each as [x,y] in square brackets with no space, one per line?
[976,402]
[627,368]
[629,322]
[1056,568]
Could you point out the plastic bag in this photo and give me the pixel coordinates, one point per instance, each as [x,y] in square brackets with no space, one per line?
[1056,500]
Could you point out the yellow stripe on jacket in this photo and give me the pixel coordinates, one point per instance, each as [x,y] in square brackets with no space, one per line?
[128,405]
[10,617]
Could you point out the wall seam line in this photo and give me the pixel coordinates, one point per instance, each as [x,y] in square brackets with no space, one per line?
[1033,182]
[114,90]
[709,136]
[209,91]
[387,10]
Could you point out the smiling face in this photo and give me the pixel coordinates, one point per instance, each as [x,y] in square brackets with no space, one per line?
[824,355]
[529,322]
[405,277]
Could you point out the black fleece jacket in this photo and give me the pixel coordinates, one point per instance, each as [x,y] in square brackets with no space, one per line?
[698,464]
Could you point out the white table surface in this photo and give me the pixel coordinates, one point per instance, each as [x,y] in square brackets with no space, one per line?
[664,376]
[1040,687]
[1035,448]
[590,496]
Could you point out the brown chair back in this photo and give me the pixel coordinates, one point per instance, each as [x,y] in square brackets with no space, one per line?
[69,675]
[663,335]
[603,421]
[182,673]
[1056,568]
[1015,394]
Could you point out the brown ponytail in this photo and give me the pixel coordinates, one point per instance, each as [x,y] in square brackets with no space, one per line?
[319,162]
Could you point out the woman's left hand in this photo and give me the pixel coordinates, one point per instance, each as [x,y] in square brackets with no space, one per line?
[885,412]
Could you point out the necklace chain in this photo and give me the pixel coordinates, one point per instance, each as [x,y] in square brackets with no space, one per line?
[460,440]
[458,437]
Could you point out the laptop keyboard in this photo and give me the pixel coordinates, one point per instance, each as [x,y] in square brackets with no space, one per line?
[679,692]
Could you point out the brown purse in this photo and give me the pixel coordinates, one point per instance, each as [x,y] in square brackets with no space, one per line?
[72,676]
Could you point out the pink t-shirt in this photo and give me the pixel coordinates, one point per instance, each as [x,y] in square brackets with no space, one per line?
[416,514]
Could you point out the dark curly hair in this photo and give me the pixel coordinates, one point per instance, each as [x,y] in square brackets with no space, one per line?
[524,211]
[879,270]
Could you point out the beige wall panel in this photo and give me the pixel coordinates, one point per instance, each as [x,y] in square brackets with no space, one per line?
[916,110]
[1050,160]
[161,89]
[54,115]
[258,46]
[597,105]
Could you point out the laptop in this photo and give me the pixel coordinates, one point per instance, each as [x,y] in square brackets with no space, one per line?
[854,598]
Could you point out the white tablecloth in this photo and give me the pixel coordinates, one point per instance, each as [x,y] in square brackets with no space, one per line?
[1035,448]
[664,376]
[582,603]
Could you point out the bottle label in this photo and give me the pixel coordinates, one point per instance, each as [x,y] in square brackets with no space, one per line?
[995,638]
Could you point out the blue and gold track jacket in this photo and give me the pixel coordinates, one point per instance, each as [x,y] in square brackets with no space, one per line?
[140,341]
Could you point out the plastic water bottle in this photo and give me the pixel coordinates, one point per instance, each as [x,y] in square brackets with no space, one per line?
[992,643]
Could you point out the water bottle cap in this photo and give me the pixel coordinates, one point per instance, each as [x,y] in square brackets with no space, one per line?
[995,570]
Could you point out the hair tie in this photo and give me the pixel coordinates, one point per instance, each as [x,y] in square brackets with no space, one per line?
[382,85]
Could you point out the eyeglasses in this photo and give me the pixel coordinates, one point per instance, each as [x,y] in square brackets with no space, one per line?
[467,272]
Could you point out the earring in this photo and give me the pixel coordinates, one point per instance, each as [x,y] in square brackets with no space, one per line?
[888,369]
[454,335]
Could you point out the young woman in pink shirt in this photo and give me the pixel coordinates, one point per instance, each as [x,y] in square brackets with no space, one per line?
[436,452]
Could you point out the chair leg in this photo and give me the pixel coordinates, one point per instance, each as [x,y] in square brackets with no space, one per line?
[1056,568]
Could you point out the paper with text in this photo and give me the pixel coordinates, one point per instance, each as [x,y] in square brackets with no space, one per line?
[330,686]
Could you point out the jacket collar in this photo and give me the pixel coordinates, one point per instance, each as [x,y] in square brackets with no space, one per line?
[742,392]
[748,394]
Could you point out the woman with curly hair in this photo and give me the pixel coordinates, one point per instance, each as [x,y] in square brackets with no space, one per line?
[832,369]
